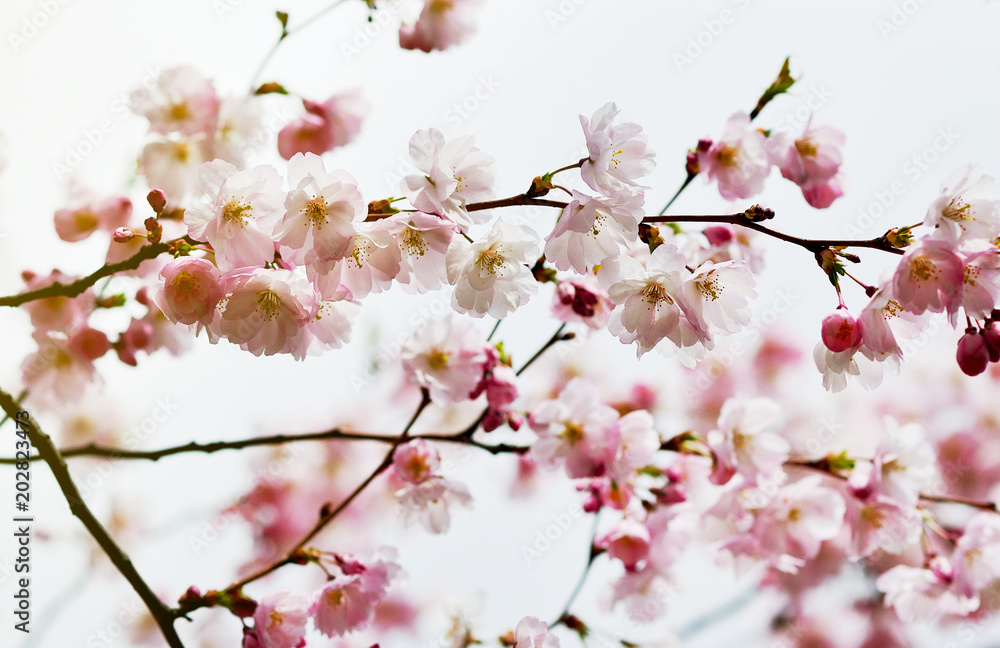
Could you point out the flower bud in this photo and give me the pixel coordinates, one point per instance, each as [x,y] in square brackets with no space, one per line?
[841,331]
[992,336]
[719,234]
[123,235]
[973,355]
[157,200]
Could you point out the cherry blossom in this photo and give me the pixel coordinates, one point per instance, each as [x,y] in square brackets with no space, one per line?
[811,161]
[441,24]
[423,241]
[454,174]
[76,224]
[923,593]
[182,101]
[618,154]
[592,229]
[929,277]
[445,357]
[747,440]
[967,207]
[324,126]
[237,214]
[491,276]
[281,617]
[582,299]
[190,291]
[532,632]
[738,160]
[575,427]
[372,261]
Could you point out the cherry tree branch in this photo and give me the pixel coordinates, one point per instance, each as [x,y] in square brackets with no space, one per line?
[50,454]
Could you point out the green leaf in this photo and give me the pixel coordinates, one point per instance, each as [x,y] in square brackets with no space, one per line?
[779,86]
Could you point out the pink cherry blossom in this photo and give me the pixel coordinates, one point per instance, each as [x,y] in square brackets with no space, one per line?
[491,276]
[903,465]
[441,24]
[58,371]
[280,619]
[879,523]
[415,461]
[590,230]
[738,160]
[628,541]
[923,594]
[190,291]
[445,357]
[968,207]
[237,213]
[324,126]
[929,277]
[841,331]
[584,300]
[532,632]
[575,427]
[266,311]
[56,313]
[182,101]
[173,165]
[321,211]
[812,162]
[372,261]
[976,558]
[453,174]
[430,502]
[822,196]
[716,296]
[76,224]
[331,328]
[239,132]
[423,241]
[799,517]
[618,154]
[980,284]
[648,294]
[747,440]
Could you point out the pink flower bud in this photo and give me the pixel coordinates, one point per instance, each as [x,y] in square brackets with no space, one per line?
[841,331]
[628,542]
[90,343]
[157,200]
[973,355]
[719,234]
[123,235]
[992,336]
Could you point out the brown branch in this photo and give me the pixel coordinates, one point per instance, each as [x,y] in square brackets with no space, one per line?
[515,201]
[813,245]
[77,287]
[50,454]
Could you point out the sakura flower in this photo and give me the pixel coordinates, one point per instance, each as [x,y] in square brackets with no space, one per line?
[331,327]
[173,165]
[584,300]
[716,296]
[455,173]
[878,523]
[649,295]
[423,241]
[929,277]
[976,558]
[56,313]
[841,331]
[239,131]
[415,461]
[442,24]
[280,619]
[491,276]
[532,632]
[499,383]
[628,541]
[430,502]
[980,284]
[190,291]
[633,445]
[799,517]
[58,370]
[738,160]
[967,207]
[266,311]
[904,463]
[618,154]
[237,213]
[747,440]
[812,162]
[321,211]
[325,126]
[445,357]
[923,594]
[590,230]
[347,603]
[373,259]
[80,222]
[182,101]
[575,427]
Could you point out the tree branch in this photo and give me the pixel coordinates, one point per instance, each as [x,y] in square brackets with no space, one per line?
[50,454]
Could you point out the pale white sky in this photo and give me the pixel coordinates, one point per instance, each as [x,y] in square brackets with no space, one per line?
[904,80]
